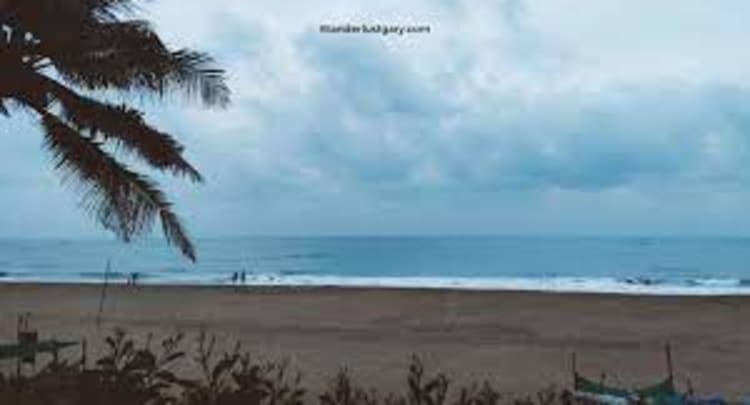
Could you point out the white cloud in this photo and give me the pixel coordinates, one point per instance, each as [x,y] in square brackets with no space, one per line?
[597,112]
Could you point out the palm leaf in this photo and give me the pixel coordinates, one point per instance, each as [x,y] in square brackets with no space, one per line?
[93,45]
[123,201]
[90,46]
[129,56]
[39,11]
[125,126]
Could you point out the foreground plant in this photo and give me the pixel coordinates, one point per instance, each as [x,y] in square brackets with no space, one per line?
[129,373]
[236,378]
[54,54]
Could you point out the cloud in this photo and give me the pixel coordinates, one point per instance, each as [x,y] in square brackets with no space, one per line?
[370,120]
[508,108]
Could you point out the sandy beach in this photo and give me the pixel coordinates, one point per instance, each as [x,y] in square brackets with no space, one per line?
[520,341]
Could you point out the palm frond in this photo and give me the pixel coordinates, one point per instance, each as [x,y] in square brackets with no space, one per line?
[196,73]
[90,45]
[118,124]
[125,126]
[123,201]
[53,49]
[109,10]
[130,56]
[40,10]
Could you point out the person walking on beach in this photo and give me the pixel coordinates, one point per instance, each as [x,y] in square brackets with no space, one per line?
[133,278]
[243,277]
[235,276]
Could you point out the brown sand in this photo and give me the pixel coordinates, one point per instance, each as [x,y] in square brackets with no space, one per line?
[520,341]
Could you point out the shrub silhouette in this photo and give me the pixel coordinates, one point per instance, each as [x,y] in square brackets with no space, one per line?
[132,374]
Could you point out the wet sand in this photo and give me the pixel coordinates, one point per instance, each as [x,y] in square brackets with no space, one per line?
[521,341]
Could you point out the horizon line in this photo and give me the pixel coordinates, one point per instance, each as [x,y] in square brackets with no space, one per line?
[392,235]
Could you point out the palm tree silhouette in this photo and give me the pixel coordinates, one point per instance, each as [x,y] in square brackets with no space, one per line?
[54,54]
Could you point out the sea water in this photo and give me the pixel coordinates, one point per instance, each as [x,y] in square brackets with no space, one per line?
[639,265]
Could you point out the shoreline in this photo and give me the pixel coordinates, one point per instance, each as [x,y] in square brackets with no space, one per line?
[277,289]
[522,341]
[492,285]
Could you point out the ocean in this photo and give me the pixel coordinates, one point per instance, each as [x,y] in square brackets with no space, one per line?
[629,265]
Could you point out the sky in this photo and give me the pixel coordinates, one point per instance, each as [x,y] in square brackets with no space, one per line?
[541,117]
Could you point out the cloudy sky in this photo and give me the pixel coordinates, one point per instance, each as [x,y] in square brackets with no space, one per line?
[509,117]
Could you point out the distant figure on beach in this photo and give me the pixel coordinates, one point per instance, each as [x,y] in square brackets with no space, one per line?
[133,278]
[235,276]
[243,277]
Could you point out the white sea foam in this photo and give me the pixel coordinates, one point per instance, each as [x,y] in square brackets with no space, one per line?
[604,285]
[700,287]
[553,284]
